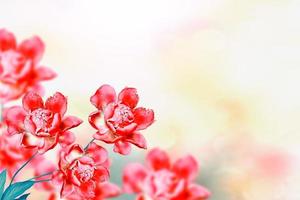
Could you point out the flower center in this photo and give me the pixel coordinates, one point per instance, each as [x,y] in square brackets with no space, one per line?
[122,116]
[84,173]
[42,119]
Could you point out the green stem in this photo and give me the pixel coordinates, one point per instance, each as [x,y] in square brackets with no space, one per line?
[46,174]
[40,181]
[87,146]
[14,176]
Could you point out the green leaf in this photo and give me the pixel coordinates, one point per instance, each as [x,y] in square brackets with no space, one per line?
[23,197]
[16,189]
[2,182]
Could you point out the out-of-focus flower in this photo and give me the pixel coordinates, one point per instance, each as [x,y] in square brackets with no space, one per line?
[12,156]
[102,191]
[162,180]
[19,66]
[41,167]
[122,120]
[41,125]
[81,170]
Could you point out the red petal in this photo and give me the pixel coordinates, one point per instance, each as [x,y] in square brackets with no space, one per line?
[138,140]
[198,192]
[14,118]
[123,148]
[87,189]
[57,103]
[70,122]
[143,117]
[107,190]
[158,159]
[31,141]
[101,174]
[49,143]
[66,138]
[32,101]
[95,119]
[186,167]
[67,189]
[103,96]
[133,177]
[7,40]
[107,137]
[127,130]
[45,73]
[129,97]
[74,152]
[97,153]
[32,48]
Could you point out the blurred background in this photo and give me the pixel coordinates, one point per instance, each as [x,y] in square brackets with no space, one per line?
[221,75]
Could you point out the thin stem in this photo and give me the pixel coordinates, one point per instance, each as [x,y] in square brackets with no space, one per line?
[87,146]
[40,181]
[1,111]
[14,176]
[46,174]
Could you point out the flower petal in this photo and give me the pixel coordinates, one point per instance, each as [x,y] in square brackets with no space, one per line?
[107,137]
[138,140]
[186,167]
[103,96]
[7,40]
[44,74]
[129,97]
[133,177]
[95,120]
[32,101]
[75,151]
[31,141]
[49,143]
[198,192]
[14,118]
[101,174]
[57,103]
[143,117]
[107,190]
[97,153]
[66,189]
[70,122]
[66,138]
[122,147]
[32,48]
[158,159]
[87,189]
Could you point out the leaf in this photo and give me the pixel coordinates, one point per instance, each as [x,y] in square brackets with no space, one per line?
[23,197]
[2,181]
[16,189]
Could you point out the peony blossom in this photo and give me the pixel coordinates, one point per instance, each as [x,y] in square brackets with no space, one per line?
[123,121]
[19,66]
[42,125]
[162,180]
[81,170]
[12,156]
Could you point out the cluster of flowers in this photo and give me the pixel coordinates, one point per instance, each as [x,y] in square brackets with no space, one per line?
[30,130]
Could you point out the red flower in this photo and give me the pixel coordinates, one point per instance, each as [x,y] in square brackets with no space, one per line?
[19,66]
[161,180]
[41,125]
[102,191]
[123,120]
[81,170]
[12,156]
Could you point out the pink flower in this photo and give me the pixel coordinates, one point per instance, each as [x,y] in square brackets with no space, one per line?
[162,180]
[122,120]
[19,66]
[12,156]
[102,191]
[42,125]
[81,170]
